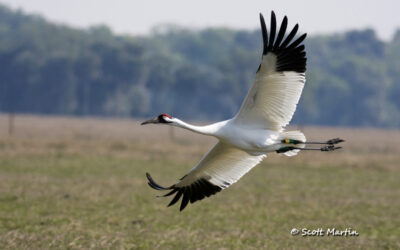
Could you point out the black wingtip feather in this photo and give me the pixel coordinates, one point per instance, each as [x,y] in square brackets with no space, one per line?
[289,57]
[185,200]
[170,193]
[298,41]
[198,190]
[154,185]
[176,198]
[290,36]
[264,34]
[281,33]
[272,30]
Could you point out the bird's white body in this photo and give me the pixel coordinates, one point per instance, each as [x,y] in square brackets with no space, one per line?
[250,139]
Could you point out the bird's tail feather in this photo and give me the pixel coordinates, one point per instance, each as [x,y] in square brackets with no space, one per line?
[294,135]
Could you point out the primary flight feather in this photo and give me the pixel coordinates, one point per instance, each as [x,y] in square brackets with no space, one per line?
[258,127]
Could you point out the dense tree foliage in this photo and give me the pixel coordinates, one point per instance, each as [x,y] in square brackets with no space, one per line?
[352,78]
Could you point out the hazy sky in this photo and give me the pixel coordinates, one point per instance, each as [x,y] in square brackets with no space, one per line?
[138,17]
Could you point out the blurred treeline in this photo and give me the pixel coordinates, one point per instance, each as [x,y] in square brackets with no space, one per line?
[352,78]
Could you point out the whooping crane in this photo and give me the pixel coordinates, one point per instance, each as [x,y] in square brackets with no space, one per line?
[258,127]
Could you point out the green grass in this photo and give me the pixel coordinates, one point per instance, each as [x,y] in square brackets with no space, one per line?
[80,183]
[99,201]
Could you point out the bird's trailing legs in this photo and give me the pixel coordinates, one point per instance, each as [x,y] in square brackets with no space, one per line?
[329,142]
[329,145]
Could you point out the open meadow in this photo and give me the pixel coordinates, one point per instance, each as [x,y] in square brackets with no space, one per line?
[80,183]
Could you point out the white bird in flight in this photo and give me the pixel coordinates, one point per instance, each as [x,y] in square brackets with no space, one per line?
[258,127]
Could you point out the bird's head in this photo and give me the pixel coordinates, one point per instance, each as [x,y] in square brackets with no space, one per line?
[162,119]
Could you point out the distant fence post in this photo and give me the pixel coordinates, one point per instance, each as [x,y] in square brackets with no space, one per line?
[11,116]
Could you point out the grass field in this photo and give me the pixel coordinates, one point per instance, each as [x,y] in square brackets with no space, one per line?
[80,183]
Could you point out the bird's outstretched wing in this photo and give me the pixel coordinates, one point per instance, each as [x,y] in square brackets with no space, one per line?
[272,100]
[222,166]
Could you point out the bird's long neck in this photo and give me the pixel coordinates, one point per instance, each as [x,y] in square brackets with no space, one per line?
[211,129]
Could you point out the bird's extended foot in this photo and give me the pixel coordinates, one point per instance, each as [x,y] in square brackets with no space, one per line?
[329,142]
[334,141]
[329,148]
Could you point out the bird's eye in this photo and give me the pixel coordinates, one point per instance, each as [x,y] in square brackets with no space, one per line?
[164,118]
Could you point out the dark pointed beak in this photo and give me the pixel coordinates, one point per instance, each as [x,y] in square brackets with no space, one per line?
[154,120]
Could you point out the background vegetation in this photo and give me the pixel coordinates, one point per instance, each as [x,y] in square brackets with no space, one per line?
[353,77]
